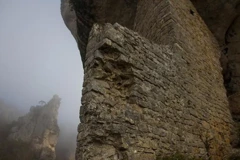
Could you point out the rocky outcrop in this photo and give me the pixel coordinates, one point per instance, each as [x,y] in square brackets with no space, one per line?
[218,15]
[166,23]
[39,128]
[139,101]
[223,20]
[89,12]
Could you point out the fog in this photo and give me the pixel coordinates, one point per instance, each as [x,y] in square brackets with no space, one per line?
[39,58]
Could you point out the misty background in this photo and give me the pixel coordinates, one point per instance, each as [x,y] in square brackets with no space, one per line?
[39,58]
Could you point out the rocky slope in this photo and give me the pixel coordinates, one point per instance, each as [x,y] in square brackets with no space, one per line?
[37,133]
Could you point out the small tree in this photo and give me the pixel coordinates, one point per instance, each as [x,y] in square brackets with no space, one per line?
[42,103]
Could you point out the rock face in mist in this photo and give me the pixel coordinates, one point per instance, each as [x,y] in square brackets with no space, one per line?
[39,128]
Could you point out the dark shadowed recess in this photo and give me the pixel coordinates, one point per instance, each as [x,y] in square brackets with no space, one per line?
[92,11]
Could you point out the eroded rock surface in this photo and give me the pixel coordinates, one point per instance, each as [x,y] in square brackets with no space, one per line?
[223,20]
[39,128]
[166,23]
[139,101]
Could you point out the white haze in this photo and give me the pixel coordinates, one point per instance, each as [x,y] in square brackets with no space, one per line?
[39,58]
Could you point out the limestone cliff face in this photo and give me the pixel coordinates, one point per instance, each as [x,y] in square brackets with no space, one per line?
[224,22]
[140,100]
[39,128]
[168,71]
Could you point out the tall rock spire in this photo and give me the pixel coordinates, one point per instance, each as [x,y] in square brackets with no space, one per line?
[39,128]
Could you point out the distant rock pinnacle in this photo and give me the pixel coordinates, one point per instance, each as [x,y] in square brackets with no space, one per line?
[39,127]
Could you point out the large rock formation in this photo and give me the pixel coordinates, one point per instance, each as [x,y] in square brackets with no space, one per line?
[140,99]
[85,13]
[159,87]
[223,20]
[39,128]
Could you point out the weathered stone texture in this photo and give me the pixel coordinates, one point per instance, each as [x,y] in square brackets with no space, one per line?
[153,20]
[218,15]
[223,20]
[141,100]
[170,21]
[147,97]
